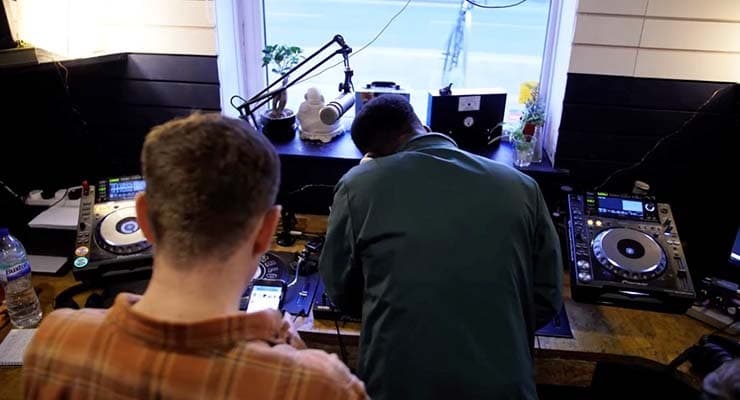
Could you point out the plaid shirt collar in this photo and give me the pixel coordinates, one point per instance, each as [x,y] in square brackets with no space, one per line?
[266,325]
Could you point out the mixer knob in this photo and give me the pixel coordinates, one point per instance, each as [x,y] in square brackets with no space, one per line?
[649,207]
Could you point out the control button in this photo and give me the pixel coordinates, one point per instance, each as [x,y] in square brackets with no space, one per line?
[83,226]
[732,310]
[82,251]
[80,262]
[584,277]
[649,207]
[590,222]
[598,222]
[681,273]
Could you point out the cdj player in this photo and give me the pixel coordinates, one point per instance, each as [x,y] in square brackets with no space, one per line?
[625,250]
[109,240]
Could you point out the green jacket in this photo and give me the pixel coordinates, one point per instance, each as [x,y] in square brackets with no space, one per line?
[453,261]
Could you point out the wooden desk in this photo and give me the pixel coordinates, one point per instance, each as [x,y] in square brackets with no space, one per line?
[600,334]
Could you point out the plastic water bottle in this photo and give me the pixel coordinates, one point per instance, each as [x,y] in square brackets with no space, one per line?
[15,274]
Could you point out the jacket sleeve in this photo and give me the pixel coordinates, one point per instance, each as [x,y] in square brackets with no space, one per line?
[548,266]
[338,268]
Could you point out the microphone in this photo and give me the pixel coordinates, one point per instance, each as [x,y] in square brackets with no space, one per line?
[331,112]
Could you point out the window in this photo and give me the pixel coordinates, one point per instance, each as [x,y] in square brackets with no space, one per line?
[500,48]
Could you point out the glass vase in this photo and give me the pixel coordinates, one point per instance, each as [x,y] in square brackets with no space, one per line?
[523,150]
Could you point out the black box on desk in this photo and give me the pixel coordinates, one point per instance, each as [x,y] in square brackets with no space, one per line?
[470,116]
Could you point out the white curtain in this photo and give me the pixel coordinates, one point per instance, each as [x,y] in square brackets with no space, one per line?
[240,37]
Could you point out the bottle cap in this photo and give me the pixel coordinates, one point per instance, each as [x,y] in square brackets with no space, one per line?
[4,232]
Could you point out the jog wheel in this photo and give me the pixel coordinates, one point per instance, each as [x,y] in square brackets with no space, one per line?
[629,253]
[119,233]
[270,267]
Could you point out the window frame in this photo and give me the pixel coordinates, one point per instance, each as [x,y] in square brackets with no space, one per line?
[241,37]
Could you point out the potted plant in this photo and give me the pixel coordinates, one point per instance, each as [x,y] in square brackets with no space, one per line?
[278,122]
[533,118]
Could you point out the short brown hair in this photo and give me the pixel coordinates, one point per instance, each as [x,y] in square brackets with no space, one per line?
[207,178]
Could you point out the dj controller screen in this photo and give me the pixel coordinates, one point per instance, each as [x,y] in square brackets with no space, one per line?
[124,189]
[615,206]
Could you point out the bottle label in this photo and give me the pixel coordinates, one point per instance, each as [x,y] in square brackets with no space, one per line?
[15,272]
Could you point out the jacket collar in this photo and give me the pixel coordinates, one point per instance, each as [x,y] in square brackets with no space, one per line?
[428,140]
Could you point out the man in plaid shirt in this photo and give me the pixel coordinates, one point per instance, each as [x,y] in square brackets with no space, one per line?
[209,212]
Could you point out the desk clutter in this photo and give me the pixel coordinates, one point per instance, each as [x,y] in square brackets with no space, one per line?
[622,250]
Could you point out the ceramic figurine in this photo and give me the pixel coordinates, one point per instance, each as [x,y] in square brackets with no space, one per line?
[311,127]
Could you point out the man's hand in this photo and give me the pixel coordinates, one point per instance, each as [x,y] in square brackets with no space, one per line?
[292,337]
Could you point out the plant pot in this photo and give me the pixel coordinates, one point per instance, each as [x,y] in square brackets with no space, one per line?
[279,129]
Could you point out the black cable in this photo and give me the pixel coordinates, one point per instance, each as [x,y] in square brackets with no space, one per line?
[363,47]
[64,196]
[13,193]
[696,349]
[724,328]
[504,6]
[342,349]
[661,141]
[65,298]
[65,84]
[311,186]
[298,264]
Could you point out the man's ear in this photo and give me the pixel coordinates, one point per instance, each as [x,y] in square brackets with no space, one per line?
[142,217]
[266,230]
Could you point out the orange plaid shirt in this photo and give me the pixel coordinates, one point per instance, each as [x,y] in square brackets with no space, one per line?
[121,354]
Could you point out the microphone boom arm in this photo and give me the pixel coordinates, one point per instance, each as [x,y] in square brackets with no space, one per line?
[246,109]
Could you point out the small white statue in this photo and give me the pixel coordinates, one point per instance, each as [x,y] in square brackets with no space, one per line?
[308,116]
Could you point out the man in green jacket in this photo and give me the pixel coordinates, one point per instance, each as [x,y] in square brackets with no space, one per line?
[451,258]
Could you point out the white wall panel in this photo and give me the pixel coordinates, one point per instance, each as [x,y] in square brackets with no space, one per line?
[691,35]
[608,30]
[701,66]
[624,7]
[726,10]
[602,60]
